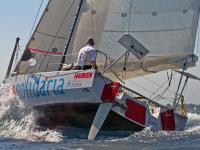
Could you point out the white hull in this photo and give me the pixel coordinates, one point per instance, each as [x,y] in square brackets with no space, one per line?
[82,88]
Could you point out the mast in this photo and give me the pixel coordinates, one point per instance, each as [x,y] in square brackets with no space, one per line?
[12,57]
[71,33]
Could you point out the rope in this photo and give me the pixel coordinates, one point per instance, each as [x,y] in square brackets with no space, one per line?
[182,109]
[165,90]
[159,89]
[92,19]
[132,82]
[151,81]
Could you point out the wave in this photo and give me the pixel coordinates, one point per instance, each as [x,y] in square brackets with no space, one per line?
[193,124]
[193,117]
[192,129]
[19,122]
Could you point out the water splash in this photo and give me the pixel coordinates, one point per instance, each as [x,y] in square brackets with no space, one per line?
[193,125]
[20,123]
[192,129]
[193,117]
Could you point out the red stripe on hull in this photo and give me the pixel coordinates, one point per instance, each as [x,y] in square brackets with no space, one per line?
[135,111]
[168,121]
[109,92]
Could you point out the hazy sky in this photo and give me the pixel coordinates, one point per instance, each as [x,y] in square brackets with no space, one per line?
[17,17]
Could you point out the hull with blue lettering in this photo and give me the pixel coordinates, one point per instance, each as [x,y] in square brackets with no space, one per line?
[56,87]
[72,98]
[67,98]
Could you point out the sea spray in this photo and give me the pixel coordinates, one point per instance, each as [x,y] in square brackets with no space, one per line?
[148,136]
[18,122]
[193,125]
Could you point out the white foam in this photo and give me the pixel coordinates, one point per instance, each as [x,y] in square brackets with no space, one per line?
[19,123]
[193,117]
[192,128]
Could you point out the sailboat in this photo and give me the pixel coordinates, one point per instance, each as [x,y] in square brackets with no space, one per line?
[133,38]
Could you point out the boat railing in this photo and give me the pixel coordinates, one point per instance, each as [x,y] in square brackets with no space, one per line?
[101,62]
[101,59]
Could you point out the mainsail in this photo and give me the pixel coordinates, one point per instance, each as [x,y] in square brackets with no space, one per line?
[167,28]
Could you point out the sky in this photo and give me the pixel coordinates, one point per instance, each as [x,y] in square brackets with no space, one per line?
[17,18]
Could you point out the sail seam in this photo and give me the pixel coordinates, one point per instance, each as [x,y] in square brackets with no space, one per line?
[55,36]
[178,29]
[66,15]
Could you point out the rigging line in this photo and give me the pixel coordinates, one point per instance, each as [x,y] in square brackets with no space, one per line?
[165,90]
[91,13]
[66,15]
[161,95]
[153,82]
[20,65]
[129,18]
[158,88]
[132,82]
[35,19]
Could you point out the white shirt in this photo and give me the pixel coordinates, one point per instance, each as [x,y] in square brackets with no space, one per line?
[86,55]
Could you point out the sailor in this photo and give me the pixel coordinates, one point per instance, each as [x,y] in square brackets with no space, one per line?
[87,56]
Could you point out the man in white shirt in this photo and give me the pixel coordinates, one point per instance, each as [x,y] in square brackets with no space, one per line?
[87,56]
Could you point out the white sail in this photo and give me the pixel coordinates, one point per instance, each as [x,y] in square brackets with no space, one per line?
[50,36]
[167,28]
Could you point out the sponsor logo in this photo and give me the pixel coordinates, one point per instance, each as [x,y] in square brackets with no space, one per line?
[83,75]
[73,84]
[40,87]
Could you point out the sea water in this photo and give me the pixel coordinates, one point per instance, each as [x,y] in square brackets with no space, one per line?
[19,130]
